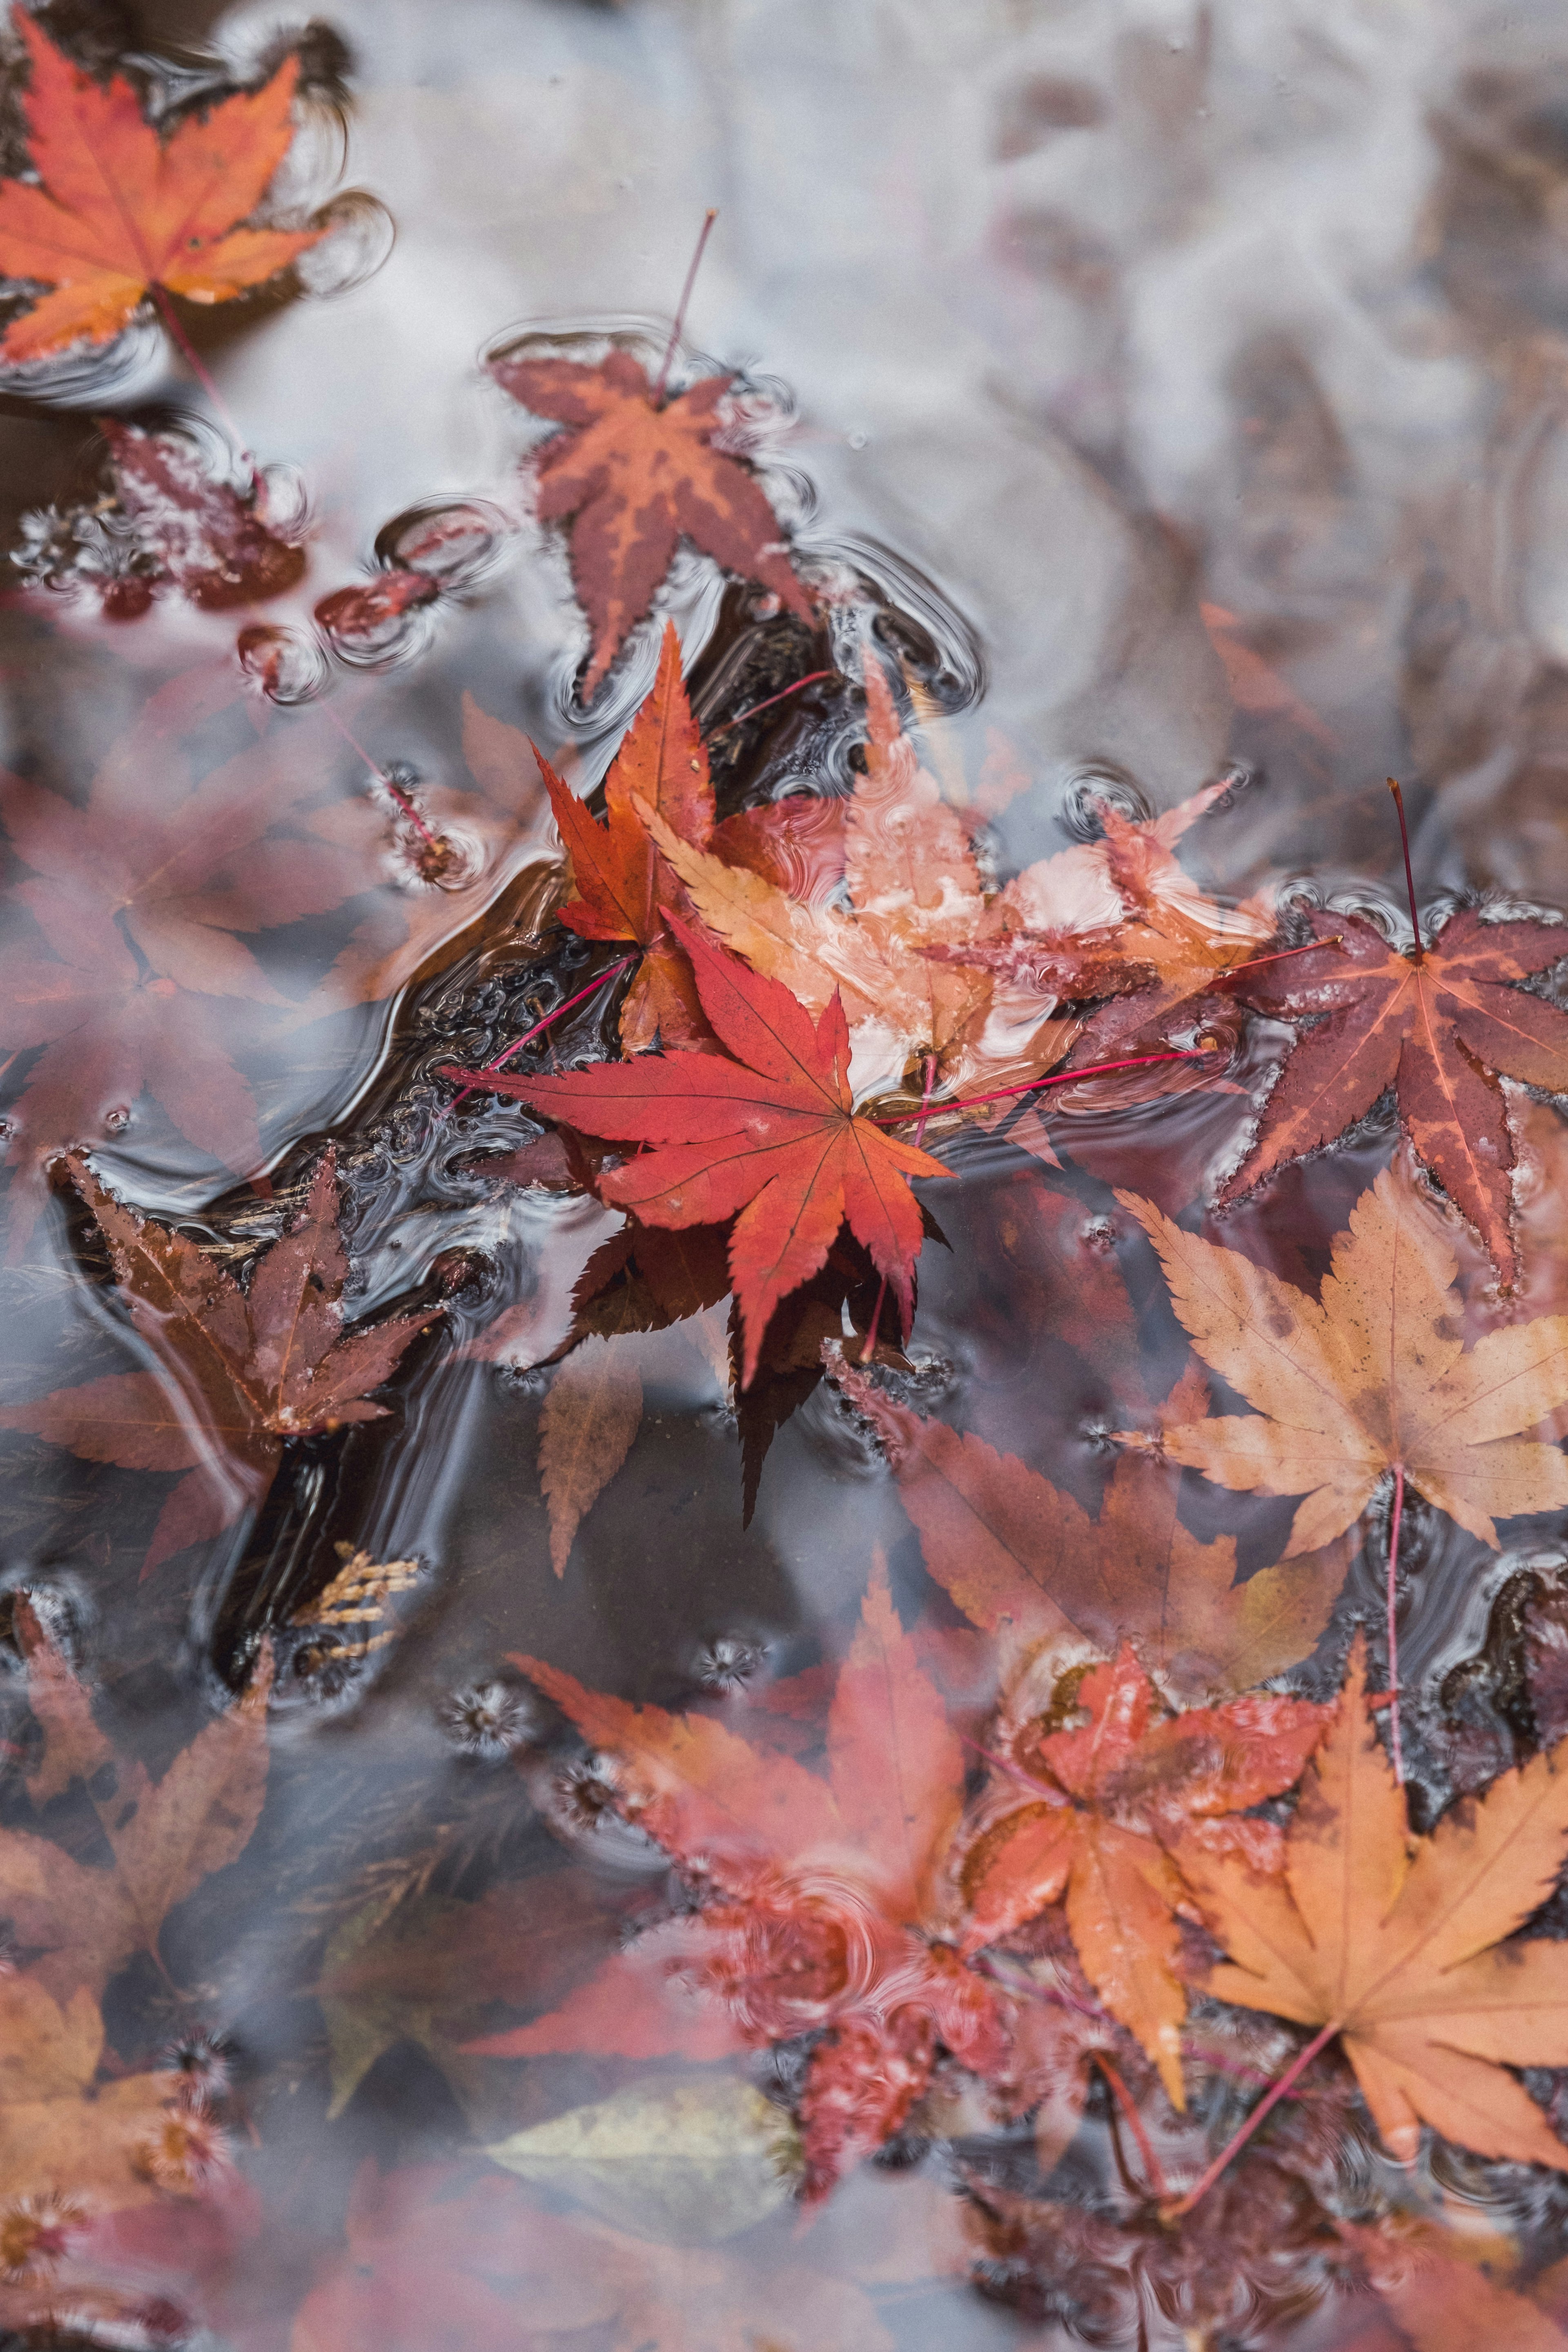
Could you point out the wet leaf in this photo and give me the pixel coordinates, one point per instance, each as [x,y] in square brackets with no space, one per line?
[1107,1803]
[623,885]
[1403,1945]
[692,2162]
[586,1428]
[913,884]
[771,1133]
[164,1836]
[119,211]
[1019,1556]
[633,479]
[62,2131]
[820,1888]
[1370,1376]
[1129,893]
[210,540]
[1436,1030]
[238,1372]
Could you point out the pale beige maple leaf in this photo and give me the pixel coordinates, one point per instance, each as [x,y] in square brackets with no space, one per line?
[1371,1376]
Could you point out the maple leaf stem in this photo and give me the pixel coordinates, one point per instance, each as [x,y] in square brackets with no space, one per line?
[1409,877]
[432,840]
[1270,2100]
[875,1319]
[202,373]
[1280,956]
[1153,2169]
[612,973]
[1057,1078]
[783,695]
[706,230]
[1398,1753]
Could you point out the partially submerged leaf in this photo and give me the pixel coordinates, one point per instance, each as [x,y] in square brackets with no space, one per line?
[1017,1554]
[1107,1803]
[820,1887]
[691,2161]
[210,540]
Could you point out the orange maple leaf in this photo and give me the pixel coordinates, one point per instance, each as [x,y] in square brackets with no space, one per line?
[1109,1800]
[633,478]
[119,212]
[622,881]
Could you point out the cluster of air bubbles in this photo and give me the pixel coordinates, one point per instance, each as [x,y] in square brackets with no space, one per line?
[66,550]
[729,1662]
[490,1721]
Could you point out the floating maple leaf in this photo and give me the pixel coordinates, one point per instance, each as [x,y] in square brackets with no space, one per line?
[1018,1555]
[823,1886]
[623,883]
[771,1133]
[1373,1376]
[1433,1025]
[633,477]
[1111,1798]
[1398,1945]
[121,213]
[83,1922]
[238,1371]
[141,899]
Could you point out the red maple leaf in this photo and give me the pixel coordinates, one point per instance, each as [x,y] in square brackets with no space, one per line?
[771,1134]
[118,211]
[1434,1026]
[824,1894]
[238,1371]
[633,477]
[142,897]
[623,883]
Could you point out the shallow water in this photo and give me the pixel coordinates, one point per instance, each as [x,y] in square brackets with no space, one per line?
[1071,324]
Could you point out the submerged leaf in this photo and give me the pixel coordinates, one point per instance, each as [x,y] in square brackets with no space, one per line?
[692,2162]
